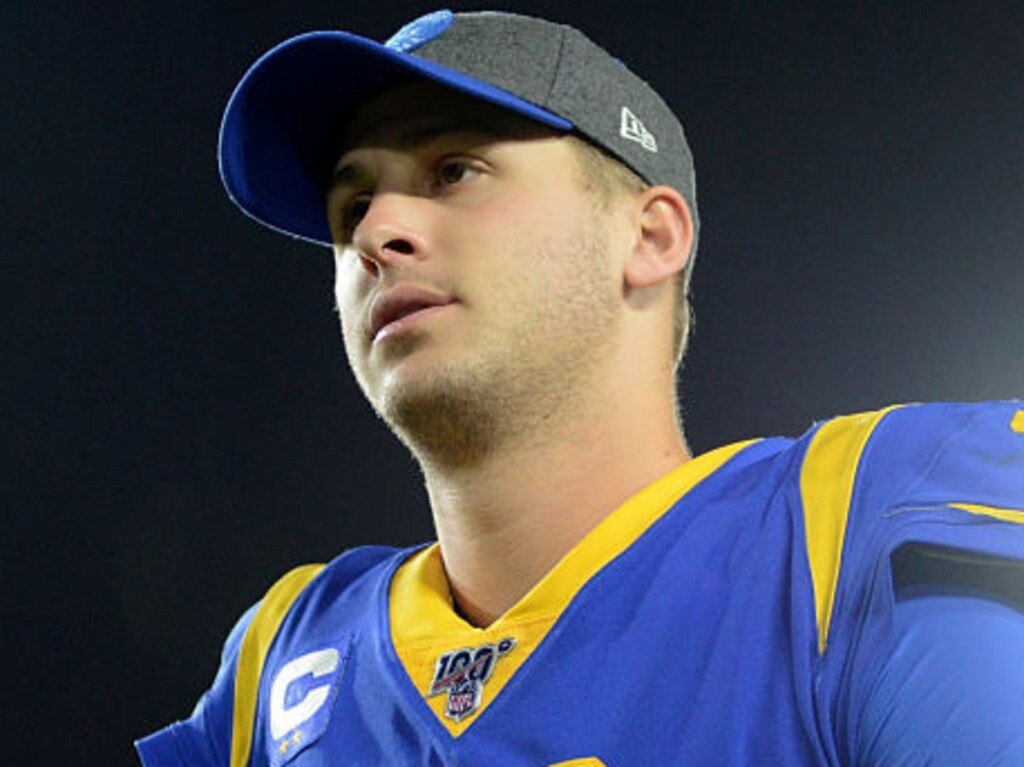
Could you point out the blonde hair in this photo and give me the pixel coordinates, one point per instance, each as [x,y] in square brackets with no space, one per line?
[607,178]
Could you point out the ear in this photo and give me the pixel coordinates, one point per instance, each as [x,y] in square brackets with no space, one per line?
[664,238]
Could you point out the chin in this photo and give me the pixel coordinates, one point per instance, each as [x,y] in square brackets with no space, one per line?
[443,416]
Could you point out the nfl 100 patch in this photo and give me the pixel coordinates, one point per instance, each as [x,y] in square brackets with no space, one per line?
[302,697]
[461,675]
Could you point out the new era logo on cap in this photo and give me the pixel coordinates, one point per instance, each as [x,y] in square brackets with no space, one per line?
[634,130]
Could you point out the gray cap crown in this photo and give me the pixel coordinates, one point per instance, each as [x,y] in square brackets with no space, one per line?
[558,68]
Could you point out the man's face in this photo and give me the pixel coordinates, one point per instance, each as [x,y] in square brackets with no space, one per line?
[473,277]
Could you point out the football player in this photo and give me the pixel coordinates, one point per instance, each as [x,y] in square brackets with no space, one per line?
[513,217]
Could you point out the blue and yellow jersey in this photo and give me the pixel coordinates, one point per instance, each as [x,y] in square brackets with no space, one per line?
[770,602]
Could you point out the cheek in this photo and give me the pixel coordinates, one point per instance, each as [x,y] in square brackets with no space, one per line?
[510,234]
[347,276]
[549,235]
[348,290]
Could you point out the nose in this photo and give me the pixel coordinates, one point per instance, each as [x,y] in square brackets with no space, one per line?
[390,232]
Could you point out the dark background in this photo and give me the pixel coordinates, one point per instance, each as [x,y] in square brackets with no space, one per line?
[179,424]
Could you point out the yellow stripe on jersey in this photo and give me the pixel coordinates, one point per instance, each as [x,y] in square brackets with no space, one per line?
[424,626]
[588,761]
[826,489]
[1006,515]
[255,645]
[1017,424]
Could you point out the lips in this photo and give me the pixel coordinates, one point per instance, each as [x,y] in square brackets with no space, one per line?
[393,305]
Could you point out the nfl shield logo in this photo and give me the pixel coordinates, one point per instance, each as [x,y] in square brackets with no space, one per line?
[463,699]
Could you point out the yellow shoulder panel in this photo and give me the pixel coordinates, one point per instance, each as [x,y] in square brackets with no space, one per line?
[1017,424]
[587,761]
[255,646]
[826,489]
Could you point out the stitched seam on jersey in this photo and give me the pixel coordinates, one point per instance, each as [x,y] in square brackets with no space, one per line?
[1016,516]
[827,479]
[256,643]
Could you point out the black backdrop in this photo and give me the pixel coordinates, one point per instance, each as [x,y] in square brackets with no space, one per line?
[179,425]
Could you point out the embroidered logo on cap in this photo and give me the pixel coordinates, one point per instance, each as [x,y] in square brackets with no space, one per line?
[421,31]
[634,130]
[462,674]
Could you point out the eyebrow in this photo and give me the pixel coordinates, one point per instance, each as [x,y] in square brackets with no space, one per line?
[408,138]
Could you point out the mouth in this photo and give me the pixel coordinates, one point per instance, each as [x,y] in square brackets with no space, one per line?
[401,307]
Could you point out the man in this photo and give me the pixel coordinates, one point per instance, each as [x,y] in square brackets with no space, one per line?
[513,217]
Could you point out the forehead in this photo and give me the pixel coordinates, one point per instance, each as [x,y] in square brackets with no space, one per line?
[417,111]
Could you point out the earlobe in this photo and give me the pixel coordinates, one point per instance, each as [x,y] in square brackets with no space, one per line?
[664,238]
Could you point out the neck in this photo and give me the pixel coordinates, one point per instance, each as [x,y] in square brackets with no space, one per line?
[505,521]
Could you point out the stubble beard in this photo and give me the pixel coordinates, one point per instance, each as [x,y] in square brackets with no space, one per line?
[448,422]
[525,381]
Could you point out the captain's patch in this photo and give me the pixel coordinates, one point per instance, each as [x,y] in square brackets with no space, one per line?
[462,674]
[301,698]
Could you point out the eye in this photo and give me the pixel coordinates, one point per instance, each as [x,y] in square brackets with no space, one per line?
[348,215]
[452,170]
[355,210]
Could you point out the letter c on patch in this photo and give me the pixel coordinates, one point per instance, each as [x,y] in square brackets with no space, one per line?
[284,718]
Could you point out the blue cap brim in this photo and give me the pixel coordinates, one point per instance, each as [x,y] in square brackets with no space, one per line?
[279,136]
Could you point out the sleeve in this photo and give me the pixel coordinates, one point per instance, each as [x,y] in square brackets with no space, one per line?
[940,498]
[914,527]
[950,688]
[220,731]
[205,737]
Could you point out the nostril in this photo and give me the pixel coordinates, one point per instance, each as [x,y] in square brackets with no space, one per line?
[369,265]
[399,246]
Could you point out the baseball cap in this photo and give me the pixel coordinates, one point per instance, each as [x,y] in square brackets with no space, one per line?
[279,136]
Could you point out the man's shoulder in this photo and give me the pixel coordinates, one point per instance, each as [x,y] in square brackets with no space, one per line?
[933,452]
[899,444]
[938,474]
[302,625]
[869,462]
[314,601]
[308,620]
[353,580]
